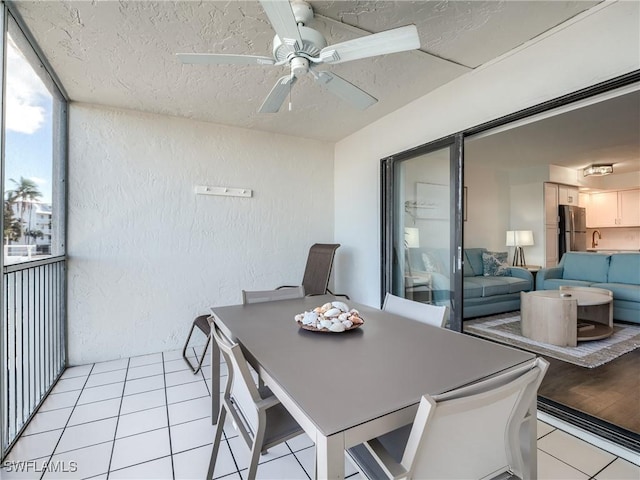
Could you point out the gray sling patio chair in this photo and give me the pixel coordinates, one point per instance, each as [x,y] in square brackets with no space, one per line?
[318,270]
[202,323]
[260,296]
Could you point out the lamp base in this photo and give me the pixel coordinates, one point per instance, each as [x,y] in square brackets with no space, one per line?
[518,257]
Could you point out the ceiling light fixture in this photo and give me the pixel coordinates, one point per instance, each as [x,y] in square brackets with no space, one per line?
[598,169]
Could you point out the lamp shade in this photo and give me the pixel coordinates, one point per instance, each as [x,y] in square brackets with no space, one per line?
[524,238]
[412,237]
[519,238]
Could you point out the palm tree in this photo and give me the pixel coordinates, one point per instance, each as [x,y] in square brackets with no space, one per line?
[25,193]
[11,223]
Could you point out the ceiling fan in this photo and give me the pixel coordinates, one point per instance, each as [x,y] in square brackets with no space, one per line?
[303,48]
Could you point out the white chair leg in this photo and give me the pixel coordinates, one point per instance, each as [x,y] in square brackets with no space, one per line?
[216,443]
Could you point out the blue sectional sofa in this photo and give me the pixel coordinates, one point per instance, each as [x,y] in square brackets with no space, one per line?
[483,294]
[617,272]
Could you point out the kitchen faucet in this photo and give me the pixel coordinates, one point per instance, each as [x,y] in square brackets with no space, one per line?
[594,242]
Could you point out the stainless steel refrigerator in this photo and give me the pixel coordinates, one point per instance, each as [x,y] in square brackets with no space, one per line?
[573,229]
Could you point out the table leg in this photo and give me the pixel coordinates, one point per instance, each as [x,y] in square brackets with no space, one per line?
[215,381]
[330,457]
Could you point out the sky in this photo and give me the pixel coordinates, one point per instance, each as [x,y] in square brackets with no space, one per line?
[28,126]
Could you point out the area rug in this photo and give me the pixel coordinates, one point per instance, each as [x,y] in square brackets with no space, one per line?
[506,329]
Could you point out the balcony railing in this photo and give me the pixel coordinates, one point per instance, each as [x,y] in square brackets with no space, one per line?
[33,340]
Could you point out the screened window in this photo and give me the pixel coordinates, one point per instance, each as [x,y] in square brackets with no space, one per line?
[33,153]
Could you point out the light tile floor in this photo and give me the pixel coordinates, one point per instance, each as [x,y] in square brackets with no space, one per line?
[148,417]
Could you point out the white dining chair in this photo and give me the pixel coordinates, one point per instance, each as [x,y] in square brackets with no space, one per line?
[422,312]
[482,421]
[258,296]
[261,419]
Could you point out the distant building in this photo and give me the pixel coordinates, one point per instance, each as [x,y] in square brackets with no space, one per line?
[36,218]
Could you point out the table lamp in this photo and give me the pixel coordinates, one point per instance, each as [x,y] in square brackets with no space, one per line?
[519,239]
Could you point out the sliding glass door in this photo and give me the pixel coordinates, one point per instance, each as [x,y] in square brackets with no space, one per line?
[422,225]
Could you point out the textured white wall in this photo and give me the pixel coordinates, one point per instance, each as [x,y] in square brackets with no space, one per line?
[487,207]
[147,255]
[587,50]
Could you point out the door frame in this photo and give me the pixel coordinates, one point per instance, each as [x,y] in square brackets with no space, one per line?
[455,144]
[563,412]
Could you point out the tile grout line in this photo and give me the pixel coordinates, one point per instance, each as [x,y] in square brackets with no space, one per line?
[603,468]
[572,466]
[542,436]
[115,432]
[67,422]
[166,403]
[601,443]
[135,464]
[298,460]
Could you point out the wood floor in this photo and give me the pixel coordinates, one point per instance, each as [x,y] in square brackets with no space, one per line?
[610,392]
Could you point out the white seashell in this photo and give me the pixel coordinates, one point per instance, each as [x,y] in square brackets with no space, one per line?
[343,316]
[347,323]
[333,312]
[310,318]
[337,327]
[326,323]
[353,311]
[299,317]
[335,320]
[326,306]
[341,305]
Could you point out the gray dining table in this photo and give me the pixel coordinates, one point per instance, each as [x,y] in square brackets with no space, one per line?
[345,388]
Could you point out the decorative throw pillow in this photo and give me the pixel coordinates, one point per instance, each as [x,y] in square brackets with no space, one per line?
[495,264]
[431,264]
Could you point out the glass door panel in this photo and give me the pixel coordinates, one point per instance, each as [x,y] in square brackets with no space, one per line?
[422,230]
[422,226]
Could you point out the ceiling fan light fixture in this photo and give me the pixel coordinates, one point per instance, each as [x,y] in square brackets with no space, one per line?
[299,46]
[598,169]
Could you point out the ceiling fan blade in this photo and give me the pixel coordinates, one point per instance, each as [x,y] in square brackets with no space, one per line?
[283,21]
[223,59]
[391,41]
[345,90]
[278,93]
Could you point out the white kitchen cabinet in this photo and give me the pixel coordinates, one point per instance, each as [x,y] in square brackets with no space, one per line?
[551,224]
[602,210]
[629,208]
[550,204]
[614,209]
[567,195]
[583,200]
[551,246]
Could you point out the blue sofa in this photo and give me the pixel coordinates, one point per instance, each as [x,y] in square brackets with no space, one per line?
[617,272]
[482,294]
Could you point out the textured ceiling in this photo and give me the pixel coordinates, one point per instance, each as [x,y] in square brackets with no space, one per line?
[122,54]
[605,132]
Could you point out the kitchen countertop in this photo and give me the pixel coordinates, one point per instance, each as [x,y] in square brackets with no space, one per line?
[613,250]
